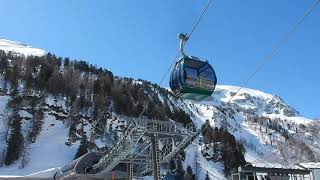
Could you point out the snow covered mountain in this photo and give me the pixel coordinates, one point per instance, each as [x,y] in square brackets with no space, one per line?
[57,112]
[272,132]
[262,143]
[20,48]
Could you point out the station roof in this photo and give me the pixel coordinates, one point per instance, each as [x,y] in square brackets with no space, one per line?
[248,169]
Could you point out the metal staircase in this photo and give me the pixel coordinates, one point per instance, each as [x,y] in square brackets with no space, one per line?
[167,153]
[120,151]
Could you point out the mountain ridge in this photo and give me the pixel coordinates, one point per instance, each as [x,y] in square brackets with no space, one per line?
[69,100]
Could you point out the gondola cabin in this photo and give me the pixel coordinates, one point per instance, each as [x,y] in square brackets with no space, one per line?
[192,79]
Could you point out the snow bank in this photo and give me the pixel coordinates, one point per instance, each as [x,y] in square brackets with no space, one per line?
[44,174]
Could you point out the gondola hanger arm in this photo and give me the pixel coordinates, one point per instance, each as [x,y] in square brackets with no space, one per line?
[183,39]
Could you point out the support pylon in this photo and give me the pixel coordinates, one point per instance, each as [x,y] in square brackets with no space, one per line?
[129,171]
[155,157]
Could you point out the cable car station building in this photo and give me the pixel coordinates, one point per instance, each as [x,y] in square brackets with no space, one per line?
[314,167]
[264,173]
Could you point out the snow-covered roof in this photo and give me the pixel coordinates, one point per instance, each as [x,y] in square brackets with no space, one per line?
[311,165]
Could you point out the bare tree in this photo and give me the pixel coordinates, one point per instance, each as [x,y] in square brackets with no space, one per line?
[25,154]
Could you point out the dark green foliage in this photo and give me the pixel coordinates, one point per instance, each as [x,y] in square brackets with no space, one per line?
[179,170]
[81,65]
[3,64]
[232,151]
[182,155]
[79,81]
[83,147]
[28,78]
[15,141]
[172,165]
[72,131]
[181,117]
[46,69]
[188,174]
[122,102]
[56,82]
[13,77]
[271,124]
[66,62]
[88,91]
[36,126]
[207,176]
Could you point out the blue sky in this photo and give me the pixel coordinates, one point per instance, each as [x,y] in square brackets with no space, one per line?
[138,39]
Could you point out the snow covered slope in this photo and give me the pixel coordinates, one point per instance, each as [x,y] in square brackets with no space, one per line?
[272,132]
[251,117]
[20,48]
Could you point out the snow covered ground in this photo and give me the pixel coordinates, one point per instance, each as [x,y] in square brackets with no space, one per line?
[48,152]
[20,48]
[3,122]
[215,170]
[259,149]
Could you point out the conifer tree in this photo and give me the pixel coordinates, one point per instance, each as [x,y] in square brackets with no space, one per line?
[15,141]
[207,176]
[188,174]
[83,147]
[179,170]
[172,165]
